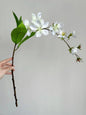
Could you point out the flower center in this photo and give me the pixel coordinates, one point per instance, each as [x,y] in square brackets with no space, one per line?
[39,29]
[63,33]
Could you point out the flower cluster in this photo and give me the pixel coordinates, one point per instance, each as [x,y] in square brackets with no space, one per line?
[37,25]
[40,27]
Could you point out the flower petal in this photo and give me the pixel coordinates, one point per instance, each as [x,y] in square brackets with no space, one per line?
[28,33]
[38,34]
[56,31]
[45,32]
[60,32]
[60,36]
[36,23]
[74,51]
[26,23]
[45,25]
[33,28]
[59,26]
[39,15]
[50,28]
[33,16]
[42,22]
[65,37]
[53,32]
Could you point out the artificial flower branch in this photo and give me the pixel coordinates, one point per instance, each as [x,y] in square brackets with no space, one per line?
[38,27]
[13,81]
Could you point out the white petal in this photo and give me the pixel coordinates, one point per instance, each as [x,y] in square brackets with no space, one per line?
[45,32]
[38,34]
[45,25]
[60,32]
[28,33]
[60,36]
[65,37]
[74,50]
[42,22]
[50,28]
[56,31]
[53,32]
[33,16]
[26,23]
[36,23]
[33,28]
[39,15]
[59,26]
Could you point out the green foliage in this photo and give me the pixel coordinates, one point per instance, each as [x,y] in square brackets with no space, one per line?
[18,33]
[79,47]
[70,49]
[70,35]
[78,59]
[18,21]
[26,38]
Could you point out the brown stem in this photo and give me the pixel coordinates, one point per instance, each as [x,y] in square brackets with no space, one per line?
[67,43]
[13,81]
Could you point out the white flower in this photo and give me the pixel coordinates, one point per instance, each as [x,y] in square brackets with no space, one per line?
[55,28]
[62,34]
[39,25]
[74,50]
[27,25]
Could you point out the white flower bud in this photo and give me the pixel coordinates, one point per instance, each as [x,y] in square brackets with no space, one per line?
[74,50]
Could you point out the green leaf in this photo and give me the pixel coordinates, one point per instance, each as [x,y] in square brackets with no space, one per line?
[70,49]
[16,19]
[20,20]
[18,33]
[79,47]
[26,38]
[70,35]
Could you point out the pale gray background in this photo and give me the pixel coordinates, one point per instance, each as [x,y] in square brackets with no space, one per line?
[48,80]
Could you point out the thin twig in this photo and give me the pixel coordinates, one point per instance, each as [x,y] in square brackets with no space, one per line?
[13,81]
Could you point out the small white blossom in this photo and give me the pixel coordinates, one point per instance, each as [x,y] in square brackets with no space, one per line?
[62,34]
[55,28]
[39,25]
[27,25]
[74,50]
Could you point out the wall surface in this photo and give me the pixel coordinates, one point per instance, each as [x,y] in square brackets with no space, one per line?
[48,79]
